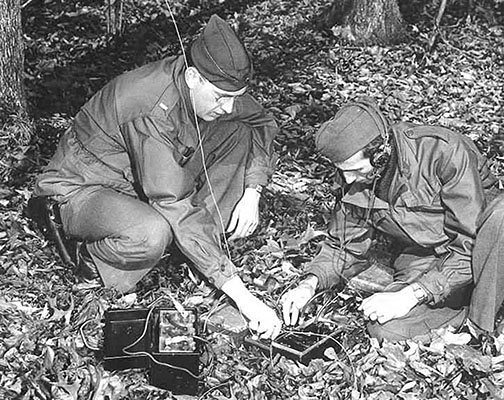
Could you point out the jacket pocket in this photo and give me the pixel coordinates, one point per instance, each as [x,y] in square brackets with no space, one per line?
[413,202]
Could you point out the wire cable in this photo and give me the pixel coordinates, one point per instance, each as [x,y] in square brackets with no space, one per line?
[125,349]
[178,32]
[83,336]
[200,142]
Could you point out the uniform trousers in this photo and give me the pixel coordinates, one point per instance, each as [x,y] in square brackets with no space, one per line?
[423,318]
[488,266]
[480,301]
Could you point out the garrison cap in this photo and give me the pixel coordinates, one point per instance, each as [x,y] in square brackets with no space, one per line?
[221,57]
[354,126]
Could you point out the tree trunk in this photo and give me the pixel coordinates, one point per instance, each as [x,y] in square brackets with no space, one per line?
[11,54]
[366,22]
[15,126]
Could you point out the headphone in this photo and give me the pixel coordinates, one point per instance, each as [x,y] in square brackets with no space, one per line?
[381,156]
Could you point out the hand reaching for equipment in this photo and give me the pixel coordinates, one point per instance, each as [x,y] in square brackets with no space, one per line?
[294,300]
[262,319]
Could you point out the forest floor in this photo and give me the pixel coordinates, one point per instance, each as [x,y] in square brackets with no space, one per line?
[52,328]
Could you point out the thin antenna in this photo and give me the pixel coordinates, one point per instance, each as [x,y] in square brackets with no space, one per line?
[200,141]
[178,33]
[207,177]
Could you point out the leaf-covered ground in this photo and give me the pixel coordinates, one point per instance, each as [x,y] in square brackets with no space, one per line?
[51,328]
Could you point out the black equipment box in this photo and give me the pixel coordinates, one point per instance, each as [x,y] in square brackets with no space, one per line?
[300,345]
[161,339]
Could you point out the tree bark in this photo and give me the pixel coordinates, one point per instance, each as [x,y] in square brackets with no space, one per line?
[366,22]
[15,126]
[11,54]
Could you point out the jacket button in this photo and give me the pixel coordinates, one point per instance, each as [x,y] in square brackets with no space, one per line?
[222,267]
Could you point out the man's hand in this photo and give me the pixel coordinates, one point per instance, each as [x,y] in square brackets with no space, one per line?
[383,307]
[262,319]
[245,217]
[294,300]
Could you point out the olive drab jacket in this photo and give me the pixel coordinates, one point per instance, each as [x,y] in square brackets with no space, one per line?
[135,135]
[434,201]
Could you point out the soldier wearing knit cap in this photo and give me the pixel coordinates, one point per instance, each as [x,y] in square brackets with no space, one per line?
[151,163]
[422,187]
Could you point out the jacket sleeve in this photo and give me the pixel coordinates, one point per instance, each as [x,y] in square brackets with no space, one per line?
[463,199]
[262,159]
[170,189]
[344,253]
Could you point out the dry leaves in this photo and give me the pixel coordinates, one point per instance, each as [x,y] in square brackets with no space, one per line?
[51,331]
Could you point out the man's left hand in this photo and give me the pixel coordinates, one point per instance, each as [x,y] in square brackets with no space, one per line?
[245,217]
[383,307]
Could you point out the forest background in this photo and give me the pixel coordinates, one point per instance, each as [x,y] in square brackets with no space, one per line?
[51,328]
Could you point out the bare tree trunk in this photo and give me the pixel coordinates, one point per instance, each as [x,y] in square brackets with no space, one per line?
[11,54]
[114,17]
[367,22]
[15,126]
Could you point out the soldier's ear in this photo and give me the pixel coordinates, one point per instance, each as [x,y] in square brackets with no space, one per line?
[193,78]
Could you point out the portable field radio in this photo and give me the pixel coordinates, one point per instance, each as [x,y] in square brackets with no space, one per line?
[159,339]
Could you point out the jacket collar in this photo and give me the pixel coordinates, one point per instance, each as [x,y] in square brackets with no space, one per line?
[361,196]
[401,131]
[187,110]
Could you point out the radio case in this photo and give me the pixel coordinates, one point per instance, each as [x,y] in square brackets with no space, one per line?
[161,340]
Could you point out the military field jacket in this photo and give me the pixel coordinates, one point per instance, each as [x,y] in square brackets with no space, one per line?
[135,135]
[434,201]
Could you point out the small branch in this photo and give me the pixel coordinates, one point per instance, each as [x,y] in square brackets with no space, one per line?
[441,11]
[25,4]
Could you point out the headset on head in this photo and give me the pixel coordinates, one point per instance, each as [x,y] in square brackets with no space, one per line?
[381,157]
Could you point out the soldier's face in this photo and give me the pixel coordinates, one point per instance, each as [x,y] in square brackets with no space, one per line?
[357,168]
[209,101]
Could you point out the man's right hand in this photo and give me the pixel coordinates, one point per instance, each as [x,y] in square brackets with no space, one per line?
[294,300]
[262,319]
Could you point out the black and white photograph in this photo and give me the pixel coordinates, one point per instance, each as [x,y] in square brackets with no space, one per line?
[251,199]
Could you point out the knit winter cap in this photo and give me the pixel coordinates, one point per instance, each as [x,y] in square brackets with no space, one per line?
[354,126]
[221,57]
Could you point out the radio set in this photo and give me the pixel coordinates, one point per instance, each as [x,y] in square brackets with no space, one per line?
[165,341]
[300,345]
[159,339]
